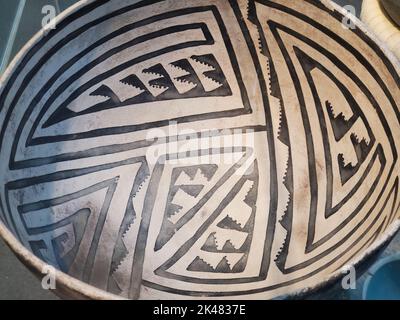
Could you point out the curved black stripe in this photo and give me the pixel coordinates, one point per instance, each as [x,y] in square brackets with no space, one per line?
[274,27]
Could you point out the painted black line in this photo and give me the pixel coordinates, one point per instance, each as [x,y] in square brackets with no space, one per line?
[67,174]
[274,27]
[151,194]
[272,197]
[193,293]
[117,148]
[230,51]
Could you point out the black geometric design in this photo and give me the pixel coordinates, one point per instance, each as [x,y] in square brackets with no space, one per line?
[82,190]
[163,81]
[361,147]
[120,250]
[63,112]
[64,258]
[64,246]
[341,127]
[200,265]
[175,216]
[225,243]
[216,74]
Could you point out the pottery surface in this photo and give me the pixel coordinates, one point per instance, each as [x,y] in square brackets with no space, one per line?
[191,149]
[383,18]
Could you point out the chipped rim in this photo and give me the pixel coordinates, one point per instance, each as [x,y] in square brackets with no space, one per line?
[74,286]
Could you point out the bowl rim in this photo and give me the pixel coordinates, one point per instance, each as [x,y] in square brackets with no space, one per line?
[88,291]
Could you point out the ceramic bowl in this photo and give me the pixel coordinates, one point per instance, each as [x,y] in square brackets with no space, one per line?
[199,149]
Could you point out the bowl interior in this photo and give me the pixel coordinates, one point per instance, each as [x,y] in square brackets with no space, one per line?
[164,149]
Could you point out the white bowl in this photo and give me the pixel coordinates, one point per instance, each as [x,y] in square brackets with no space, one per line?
[199,149]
